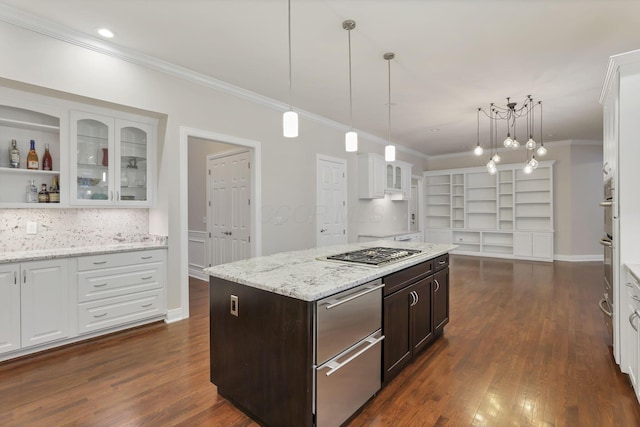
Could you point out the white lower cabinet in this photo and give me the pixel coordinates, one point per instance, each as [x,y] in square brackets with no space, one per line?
[35,303]
[631,331]
[116,289]
[533,245]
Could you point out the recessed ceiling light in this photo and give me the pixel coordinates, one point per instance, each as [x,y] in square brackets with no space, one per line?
[435,130]
[107,33]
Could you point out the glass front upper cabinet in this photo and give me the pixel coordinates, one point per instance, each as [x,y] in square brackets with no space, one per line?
[110,160]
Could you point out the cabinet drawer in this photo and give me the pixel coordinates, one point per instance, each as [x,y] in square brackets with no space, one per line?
[402,278]
[106,313]
[113,282]
[441,262]
[120,259]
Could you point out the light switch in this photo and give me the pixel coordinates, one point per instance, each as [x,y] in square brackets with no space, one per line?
[32,227]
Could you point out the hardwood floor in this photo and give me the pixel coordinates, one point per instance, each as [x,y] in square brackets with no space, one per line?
[525,347]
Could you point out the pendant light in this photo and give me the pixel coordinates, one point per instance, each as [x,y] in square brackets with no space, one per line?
[478,150]
[351,137]
[290,118]
[390,149]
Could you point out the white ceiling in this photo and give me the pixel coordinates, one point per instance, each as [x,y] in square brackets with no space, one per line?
[452,56]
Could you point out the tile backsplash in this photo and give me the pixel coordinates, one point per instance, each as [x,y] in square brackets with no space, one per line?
[63,228]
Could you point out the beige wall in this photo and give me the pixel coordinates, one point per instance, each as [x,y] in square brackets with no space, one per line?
[577,191]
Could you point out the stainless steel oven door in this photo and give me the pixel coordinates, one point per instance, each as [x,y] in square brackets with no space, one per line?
[606,303]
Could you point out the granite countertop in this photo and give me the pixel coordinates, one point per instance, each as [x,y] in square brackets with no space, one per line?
[152,242]
[299,274]
[385,235]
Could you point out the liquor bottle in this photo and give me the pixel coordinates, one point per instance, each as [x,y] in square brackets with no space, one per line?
[32,157]
[14,155]
[54,191]
[47,163]
[32,192]
[43,195]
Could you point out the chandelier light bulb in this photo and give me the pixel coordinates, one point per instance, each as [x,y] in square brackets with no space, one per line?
[516,144]
[491,164]
[290,124]
[533,163]
[478,150]
[541,151]
[496,158]
[351,142]
[493,171]
[390,153]
[527,168]
[508,142]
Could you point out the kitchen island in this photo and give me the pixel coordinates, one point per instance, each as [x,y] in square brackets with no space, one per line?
[269,333]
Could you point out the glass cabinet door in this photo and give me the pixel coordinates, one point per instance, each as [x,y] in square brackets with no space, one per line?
[389,176]
[92,136]
[133,171]
[398,178]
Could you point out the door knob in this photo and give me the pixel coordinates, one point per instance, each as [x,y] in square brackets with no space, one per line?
[322,230]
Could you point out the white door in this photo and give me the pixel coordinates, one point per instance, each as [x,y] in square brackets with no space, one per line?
[229,207]
[414,213]
[44,301]
[9,307]
[331,201]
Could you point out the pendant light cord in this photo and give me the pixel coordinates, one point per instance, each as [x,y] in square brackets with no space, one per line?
[389,104]
[350,92]
[289,32]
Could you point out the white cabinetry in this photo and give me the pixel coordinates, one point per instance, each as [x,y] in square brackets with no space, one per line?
[371,176]
[9,307]
[116,289]
[509,214]
[398,180]
[24,119]
[621,109]
[36,308]
[630,298]
[111,160]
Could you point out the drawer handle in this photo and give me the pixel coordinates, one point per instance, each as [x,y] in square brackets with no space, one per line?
[100,315]
[146,305]
[629,285]
[334,366]
[99,262]
[437,285]
[635,297]
[634,314]
[442,262]
[147,278]
[352,297]
[146,257]
[610,314]
[100,286]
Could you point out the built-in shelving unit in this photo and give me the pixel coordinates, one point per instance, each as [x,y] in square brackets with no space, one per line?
[509,214]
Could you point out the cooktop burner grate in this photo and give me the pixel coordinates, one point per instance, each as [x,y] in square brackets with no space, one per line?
[374,256]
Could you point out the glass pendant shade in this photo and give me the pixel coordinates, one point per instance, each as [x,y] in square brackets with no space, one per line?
[508,142]
[516,144]
[533,163]
[496,158]
[478,150]
[541,151]
[390,153]
[493,171]
[290,124]
[531,144]
[491,164]
[528,169]
[351,141]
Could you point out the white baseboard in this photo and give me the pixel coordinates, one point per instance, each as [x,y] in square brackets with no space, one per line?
[197,273]
[579,258]
[174,315]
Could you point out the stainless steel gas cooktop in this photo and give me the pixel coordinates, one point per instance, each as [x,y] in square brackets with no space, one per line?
[374,257]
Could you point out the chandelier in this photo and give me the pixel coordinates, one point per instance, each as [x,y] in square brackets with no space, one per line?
[511,114]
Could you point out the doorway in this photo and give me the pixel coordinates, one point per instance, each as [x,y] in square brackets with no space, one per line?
[189,147]
[331,201]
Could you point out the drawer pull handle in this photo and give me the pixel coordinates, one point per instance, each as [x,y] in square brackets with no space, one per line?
[335,303]
[147,278]
[99,262]
[629,285]
[100,286]
[100,315]
[146,257]
[146,305]
[437,285]
[635,297]
[442,262]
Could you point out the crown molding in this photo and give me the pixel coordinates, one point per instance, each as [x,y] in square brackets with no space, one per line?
[68,35]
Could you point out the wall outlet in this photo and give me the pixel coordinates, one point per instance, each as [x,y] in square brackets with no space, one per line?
[204,219]
[234,305]
[32,227]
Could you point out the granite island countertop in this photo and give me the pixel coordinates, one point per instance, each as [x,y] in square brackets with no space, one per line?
[301,275]
[150,242]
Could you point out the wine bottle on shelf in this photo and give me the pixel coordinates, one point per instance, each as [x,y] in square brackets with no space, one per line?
[14,155]
[32,157]
[54,191]
[43,195]
[47,163]
[32,192]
